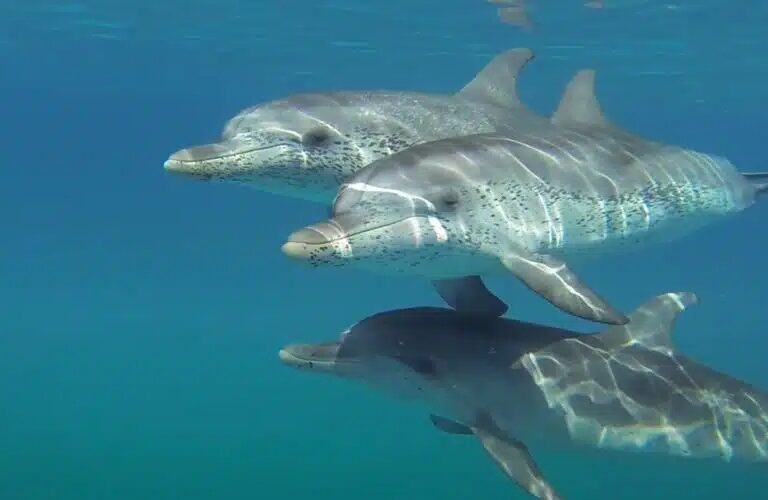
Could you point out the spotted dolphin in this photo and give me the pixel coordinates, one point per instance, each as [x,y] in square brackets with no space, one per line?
[513,385]
[304,146]
[521,203]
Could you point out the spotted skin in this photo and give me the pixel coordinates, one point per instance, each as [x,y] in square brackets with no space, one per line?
[305,145]
[453,207]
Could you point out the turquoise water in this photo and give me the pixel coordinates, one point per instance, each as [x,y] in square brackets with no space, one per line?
[141,314]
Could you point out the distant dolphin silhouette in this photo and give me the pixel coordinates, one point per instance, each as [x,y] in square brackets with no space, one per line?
[513,384]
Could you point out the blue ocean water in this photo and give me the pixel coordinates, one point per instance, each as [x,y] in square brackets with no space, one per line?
[141,314]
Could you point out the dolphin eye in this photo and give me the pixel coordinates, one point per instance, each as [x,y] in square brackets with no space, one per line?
[420,364]
[449,201]
[316,137]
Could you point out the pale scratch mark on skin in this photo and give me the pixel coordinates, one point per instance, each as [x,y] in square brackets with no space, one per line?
[367,188]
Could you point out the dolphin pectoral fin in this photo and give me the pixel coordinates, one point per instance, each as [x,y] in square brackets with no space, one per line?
[470,295]
[497,81]
[513,457]
[510,454]
[450,426]
[551,278]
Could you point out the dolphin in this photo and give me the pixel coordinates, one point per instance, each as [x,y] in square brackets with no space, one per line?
[523,202]
[513,384]
[305,145]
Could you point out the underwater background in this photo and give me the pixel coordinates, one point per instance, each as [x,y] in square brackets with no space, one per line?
[141,313]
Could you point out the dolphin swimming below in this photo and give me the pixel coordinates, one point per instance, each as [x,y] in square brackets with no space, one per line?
[513,384]
[304,146]
[523,202]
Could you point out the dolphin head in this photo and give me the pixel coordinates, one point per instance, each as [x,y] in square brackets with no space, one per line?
[404,352]
[377,340]
[426,353]
[404,213]
[301,146]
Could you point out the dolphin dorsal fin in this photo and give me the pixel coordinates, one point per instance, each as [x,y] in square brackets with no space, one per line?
[651,324]
[497,81]
[579,106]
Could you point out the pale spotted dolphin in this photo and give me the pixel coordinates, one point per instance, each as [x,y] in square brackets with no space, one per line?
[520,203]
[513,384]
[304,146]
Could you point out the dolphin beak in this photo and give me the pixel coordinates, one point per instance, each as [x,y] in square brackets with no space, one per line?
[318,240]
[203,162]
[321,357]
[182,159]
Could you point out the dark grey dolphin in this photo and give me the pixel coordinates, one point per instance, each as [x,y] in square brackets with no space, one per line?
[514,384]
[522,202]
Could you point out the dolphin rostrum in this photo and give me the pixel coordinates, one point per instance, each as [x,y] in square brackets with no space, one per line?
[521,202]
[513,384]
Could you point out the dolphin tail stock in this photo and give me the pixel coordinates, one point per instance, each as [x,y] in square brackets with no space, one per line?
[510,454]
[759,181]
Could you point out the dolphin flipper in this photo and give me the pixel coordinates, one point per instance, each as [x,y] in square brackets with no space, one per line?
[510,454]
[551,278]
[449,426]
[469,295]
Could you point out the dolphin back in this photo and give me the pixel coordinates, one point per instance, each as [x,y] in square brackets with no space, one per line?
[627,389]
